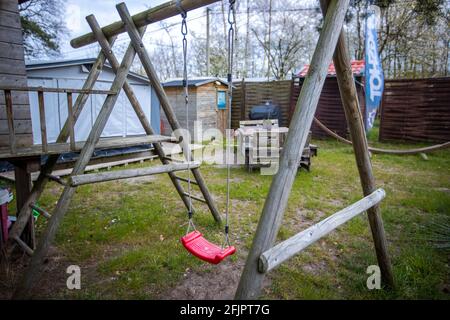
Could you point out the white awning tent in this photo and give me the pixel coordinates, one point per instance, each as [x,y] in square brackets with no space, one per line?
[72,74]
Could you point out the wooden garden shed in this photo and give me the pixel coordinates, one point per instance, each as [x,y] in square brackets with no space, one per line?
[207,103]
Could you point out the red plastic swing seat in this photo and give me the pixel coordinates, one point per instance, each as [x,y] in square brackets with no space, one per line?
[196,244]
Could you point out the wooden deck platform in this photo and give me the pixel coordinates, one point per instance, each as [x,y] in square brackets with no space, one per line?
[104,143]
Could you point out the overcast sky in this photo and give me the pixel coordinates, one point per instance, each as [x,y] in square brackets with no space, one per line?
[106,13]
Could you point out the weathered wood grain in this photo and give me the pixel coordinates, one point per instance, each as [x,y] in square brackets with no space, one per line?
[251,280]
[285,250]
[79,180]
[152,15]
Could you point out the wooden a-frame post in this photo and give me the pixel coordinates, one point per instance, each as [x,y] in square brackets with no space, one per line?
[131,28]
[30,275]
[276,202]
[120,81]
[352,110]
[106,49]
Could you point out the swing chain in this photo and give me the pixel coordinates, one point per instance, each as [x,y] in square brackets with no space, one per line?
[231,23]
[184,32]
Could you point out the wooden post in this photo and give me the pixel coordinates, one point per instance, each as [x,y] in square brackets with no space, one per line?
[277,198]
[22,172]
[107,50]
[43,124]
[23,289]
[71,121]
[170,114]
[47,168]
[10,117]
[152,15]
[355,124]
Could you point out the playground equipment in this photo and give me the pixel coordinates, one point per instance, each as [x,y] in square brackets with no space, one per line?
[194,241]
[135,27]
[263,255]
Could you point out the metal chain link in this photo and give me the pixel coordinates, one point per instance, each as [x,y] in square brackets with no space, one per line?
[231,23]
[184,32]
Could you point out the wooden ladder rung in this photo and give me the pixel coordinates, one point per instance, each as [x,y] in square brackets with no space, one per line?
[186,180]
[194,197]
[24,246]
[78,180]
[41,211]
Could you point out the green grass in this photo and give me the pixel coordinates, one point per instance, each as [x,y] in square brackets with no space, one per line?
[125,235]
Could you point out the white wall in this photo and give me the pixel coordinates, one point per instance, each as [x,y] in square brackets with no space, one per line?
[122,122]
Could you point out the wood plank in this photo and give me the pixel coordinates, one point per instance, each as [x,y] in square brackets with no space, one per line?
[10,19]
[11,35]
[78,180]
[11,51]
[56,90]
[9,5]
[285,250]
[105,143]
[13,67]
[22,141]
[7,81]
[20,126]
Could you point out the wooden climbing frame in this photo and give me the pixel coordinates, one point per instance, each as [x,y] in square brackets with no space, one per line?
[135,27]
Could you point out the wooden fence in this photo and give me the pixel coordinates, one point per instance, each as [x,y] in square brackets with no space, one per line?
[285,94]
[416,110]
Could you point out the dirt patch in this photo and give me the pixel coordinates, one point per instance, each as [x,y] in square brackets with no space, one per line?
[51,280]
[217,282]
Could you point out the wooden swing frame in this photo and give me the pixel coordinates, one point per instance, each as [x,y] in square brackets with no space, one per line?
[262,248]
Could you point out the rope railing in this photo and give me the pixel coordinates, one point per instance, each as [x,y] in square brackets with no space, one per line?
[432,148]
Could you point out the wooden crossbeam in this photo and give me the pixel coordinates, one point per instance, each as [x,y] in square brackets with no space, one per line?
[152,15]
[292,246]
[79,180]
[58,90]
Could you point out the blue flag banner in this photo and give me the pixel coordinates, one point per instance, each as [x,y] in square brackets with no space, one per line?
[374,70]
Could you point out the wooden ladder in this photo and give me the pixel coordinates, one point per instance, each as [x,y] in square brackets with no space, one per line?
[77,177]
